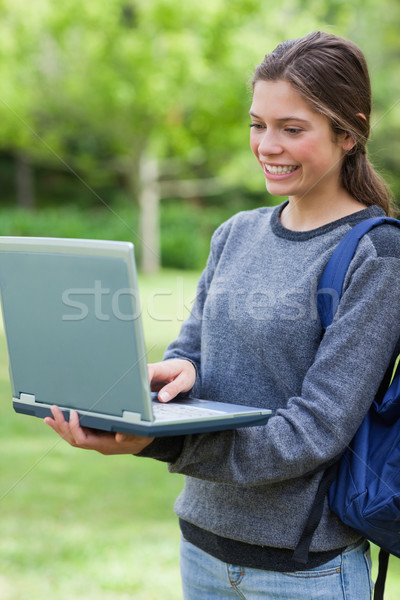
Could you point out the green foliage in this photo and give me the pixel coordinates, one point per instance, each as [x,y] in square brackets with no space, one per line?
[69,222]
[183,243]
[186,228]
[91,86]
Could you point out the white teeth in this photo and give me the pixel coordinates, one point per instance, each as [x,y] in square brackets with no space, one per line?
[280,170]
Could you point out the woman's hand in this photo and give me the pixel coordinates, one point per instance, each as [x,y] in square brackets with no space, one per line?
[171,377]
[94,439]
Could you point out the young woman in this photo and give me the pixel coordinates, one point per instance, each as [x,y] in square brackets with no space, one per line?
[254,337]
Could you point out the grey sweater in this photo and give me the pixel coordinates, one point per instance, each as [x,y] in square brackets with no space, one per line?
[255,338]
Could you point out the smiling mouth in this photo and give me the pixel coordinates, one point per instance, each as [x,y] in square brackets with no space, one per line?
[280,170]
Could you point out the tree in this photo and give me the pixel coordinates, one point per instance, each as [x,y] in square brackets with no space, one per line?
[112,84]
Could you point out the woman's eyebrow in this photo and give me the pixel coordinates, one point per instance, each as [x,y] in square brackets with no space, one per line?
[281,119]
[292,118]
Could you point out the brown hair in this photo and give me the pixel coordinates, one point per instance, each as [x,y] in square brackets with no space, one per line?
[331,74]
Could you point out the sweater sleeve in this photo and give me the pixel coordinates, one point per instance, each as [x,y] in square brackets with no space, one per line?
[337,392]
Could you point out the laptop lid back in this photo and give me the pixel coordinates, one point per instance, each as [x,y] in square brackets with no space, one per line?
[73,327]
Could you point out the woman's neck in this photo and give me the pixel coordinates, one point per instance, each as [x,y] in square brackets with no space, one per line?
[300,215]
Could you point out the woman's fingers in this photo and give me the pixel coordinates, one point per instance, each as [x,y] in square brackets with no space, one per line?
[59,424]
[182,383]
[92,439]
[171,377]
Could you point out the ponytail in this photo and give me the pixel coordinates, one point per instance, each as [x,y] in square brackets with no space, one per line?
[362,182]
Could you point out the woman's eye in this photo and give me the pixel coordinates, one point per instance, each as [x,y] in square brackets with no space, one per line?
[292,130]
[256,125]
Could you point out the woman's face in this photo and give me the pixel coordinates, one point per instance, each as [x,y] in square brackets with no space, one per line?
[294,144]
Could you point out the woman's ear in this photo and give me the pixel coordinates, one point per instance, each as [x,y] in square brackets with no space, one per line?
[348,142]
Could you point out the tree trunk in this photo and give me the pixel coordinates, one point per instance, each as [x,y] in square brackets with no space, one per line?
[24,182]
[149,201]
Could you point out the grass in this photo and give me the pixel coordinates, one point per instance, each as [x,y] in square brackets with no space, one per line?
[79,525]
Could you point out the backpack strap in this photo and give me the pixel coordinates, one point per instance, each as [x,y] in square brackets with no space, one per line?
[328,295]
[382,571]
[300,554]
[330,285]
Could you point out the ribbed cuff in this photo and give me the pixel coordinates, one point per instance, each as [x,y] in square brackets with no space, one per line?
[165,449]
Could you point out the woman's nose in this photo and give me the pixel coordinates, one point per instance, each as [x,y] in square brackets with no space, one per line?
[269,144]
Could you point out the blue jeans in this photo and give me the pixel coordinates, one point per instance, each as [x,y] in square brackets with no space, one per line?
[346,577]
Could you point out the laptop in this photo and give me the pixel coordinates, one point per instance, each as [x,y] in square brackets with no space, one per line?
[73,327]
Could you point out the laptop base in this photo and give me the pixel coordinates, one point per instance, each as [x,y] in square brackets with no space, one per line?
[163,429]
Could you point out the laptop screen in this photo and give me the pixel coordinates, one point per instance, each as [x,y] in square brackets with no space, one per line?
[73,325]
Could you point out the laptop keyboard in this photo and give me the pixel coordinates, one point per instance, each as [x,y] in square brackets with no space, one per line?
[168,412]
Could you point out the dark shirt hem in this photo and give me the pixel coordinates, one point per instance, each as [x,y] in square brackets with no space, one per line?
[249,555]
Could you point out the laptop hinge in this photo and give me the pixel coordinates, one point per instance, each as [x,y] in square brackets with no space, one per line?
[131,417]
[27,398]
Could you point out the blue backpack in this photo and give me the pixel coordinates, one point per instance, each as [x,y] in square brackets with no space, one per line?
[363,486]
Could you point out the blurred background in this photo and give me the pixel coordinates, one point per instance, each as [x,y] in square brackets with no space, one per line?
[128,120]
